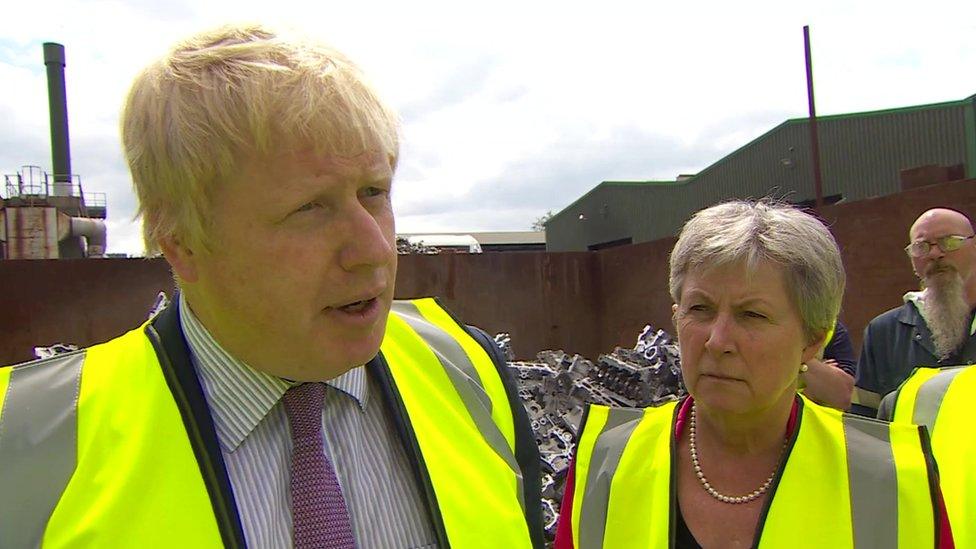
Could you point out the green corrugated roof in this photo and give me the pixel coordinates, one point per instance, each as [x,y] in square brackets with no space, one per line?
[603,184]
[898,110]
[845,116]
[639,183]
[958,103]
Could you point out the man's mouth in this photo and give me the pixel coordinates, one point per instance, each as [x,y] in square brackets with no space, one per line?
[939,268]
[357,306]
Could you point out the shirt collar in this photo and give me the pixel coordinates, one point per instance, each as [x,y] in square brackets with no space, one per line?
[918,300]
[239,396]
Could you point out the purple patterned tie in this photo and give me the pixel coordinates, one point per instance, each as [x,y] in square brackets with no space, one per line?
[318,511]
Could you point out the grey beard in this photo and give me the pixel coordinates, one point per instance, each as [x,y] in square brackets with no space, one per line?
[946,312]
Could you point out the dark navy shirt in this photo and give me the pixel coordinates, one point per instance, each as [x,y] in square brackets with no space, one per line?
[895,343]
[840,349]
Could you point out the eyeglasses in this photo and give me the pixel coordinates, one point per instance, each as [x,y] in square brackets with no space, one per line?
[949,243]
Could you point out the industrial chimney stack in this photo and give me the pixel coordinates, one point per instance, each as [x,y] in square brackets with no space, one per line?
[58,101]
[49,216]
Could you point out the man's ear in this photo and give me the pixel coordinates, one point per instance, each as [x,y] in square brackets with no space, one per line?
[180,257]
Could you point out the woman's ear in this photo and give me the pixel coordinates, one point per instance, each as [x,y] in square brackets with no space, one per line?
[816,347]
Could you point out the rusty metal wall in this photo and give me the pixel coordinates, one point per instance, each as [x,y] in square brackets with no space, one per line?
[581,302]
[78,301]
[634,288]
[544,300]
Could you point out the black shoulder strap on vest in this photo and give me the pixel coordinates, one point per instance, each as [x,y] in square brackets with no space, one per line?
[935,493]
[166,336]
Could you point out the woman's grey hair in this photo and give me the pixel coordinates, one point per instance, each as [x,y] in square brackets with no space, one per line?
[752,232]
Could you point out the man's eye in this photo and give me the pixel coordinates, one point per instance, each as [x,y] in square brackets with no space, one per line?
[754,314]
[375,191]
[308,207]
[949,243]
[920,248]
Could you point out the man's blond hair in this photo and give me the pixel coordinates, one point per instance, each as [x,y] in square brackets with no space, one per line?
[236,94]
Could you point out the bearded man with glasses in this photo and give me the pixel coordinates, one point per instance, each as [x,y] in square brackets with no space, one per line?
[935,326]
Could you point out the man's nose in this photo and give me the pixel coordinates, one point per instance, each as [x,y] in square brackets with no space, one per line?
[935,252]
[367,243]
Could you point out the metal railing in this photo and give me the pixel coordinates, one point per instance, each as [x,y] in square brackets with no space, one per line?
[95,200]
[32,183]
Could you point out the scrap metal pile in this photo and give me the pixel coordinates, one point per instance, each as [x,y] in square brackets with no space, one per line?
[56,349]
[556,388]
[405,247]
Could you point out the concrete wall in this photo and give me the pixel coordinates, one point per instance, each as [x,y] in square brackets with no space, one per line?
[581,302]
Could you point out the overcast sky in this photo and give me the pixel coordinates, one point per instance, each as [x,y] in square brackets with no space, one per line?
[509,109]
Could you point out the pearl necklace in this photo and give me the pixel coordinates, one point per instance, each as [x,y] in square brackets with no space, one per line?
[704,481]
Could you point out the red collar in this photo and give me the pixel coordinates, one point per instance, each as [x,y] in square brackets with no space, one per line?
[685,410]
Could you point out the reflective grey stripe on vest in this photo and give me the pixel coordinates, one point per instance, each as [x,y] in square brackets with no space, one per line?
[929,398]
[607,450]
[38,433]
[464,376]
[873,482]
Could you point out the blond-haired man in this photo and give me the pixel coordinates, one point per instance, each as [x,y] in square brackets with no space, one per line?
[284,399]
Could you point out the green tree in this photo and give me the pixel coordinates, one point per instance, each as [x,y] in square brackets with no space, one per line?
[540,223]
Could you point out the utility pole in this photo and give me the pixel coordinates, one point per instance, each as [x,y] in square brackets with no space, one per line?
[814,139]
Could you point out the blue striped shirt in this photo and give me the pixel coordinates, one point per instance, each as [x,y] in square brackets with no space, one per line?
[384,503]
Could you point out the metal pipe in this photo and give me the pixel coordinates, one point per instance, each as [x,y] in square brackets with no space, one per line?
[94,232]
[814,138]
[58,106]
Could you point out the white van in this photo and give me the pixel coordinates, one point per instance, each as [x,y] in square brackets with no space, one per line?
[447,242]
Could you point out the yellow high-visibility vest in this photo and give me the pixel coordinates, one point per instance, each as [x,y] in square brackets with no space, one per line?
[847,482]
[941,399]
[95,449]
